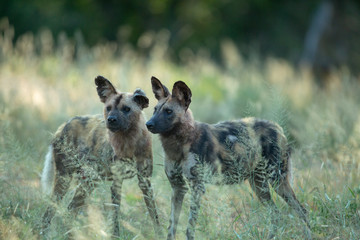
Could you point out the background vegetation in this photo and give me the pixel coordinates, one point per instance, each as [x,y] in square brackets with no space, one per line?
[269,28]
[44,81]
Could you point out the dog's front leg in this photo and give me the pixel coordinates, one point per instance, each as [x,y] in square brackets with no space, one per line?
[145,186]
[122,168]
[116,200]
[179,190]
[197,190]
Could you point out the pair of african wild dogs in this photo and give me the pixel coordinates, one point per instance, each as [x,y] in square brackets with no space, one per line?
[195,153]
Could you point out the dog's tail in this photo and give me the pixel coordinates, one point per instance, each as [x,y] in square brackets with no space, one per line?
[48,173]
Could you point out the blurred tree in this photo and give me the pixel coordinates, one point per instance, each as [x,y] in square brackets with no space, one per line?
[332,39]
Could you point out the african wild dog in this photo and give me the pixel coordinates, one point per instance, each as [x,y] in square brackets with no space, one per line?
[223,153]
[115,147]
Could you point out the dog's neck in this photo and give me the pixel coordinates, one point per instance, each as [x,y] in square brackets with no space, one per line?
[124,143]
[177,141]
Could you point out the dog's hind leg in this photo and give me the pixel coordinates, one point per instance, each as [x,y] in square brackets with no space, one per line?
[283,188]
[82,192]
[260,186]
[62,184]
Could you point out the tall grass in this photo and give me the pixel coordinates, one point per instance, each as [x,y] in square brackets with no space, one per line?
[42,85]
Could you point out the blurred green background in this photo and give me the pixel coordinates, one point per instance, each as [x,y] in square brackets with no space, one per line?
[293,62]
[269,28]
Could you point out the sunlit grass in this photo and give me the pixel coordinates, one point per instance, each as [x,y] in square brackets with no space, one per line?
[42,86]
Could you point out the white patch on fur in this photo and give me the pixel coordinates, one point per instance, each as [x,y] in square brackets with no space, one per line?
[232,138]
[169,167]
[189,163]
[48,173]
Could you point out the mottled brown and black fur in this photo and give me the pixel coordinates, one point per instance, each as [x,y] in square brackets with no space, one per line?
[224,153]
[115,146]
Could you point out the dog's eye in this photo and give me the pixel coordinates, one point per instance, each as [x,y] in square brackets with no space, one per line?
[168,111]
[126,109]
[108,108]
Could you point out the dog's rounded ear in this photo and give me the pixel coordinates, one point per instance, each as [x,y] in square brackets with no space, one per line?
[104,88]
[182,93]
[140,98]
[159,90]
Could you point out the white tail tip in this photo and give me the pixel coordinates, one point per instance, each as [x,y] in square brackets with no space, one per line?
[48,173]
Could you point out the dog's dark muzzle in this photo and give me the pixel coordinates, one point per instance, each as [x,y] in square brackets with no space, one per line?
[113,124]
[151,126]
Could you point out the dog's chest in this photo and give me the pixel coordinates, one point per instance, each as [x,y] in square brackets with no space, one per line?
[186,166]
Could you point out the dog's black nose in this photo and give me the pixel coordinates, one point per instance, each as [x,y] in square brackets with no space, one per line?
[150,125]
[111,119]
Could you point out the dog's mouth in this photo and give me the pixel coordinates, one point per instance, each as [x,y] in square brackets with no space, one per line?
[115,128]
[112,129]
[151,127]
[152,130]
[158,129]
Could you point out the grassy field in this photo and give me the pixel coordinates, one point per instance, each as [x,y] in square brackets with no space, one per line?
[42,86]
